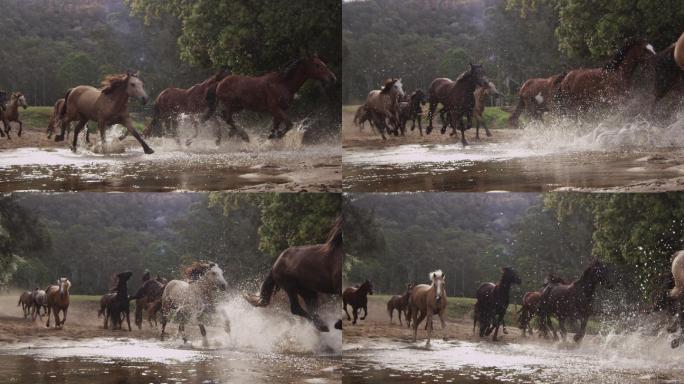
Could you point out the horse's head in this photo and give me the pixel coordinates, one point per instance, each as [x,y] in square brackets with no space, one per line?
[124,276]
[64,284]
[478,75]
[135,87]
[409,287]
[368,286]
[438,279]
[315,68]
[632,52]
[215,275]
[600,273]
[510,276]
[491,89]
[20,99]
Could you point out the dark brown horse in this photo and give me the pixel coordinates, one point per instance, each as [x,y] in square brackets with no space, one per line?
[536,96]
[11,112]
[572,301]
[457,97]
[411,110]
[400,304]
[582,90]
[357,297]
[116,303]
[148,299]
[492,302]
[530,305]
[172,102]
[306,271]
[273,93]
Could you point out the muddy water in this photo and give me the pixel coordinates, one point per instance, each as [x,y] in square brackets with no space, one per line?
[601,359]
[123,360]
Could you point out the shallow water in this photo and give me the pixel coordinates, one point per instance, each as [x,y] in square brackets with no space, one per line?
[602,359]
[124,360]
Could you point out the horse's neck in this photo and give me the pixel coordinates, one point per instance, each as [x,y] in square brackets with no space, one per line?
[363,290]
[13,106]
[586,286]
[118,99]
[295,79]
[504,288]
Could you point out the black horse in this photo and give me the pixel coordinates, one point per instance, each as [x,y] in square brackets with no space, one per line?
[411,110]
[492,302]
[115,305]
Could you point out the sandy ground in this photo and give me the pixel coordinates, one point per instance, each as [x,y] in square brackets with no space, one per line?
[82,322]
[30,137]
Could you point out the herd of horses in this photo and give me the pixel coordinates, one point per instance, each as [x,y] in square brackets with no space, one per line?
[565,302]
[271,93]
[305,271]
[573,93]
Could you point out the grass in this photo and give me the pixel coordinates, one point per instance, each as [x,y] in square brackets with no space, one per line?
[85,298]
[493,117]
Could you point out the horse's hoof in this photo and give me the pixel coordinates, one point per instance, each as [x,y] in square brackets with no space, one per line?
[577,338]
[675,343]
[149,151]
[338,324]
[442,131]
[244,137]
[185,340]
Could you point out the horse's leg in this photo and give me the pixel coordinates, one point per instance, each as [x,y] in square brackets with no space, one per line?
[21,127]
[463,127]
[420,125]
[498,320]
[164,320]
[295,308]
[55,313]
[561,326]
[128,123]
[203,332]
[431,115]
[181,330]
[106,319]
[311,300]
[102,128]
[583,327]
[228,117]
[355,312]
[344,305]
[365,311]
[428,324]
[128,319]
[8,127]
[391,311]
[503,324]
[77,130]
[65,316]
[441,320]
[49,311]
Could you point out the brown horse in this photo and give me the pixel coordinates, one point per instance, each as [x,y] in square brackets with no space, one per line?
[26,302]
[306,271]
[115,304]
[412,110]
[361,116]
[492,302]
[582,90]
[11,112]
[400,304]
[148,298]
[39,303]
[54,118]
[530,305]
[481,94]
[58,300]
[382,106]
[428,300]
[172,102]
[357,297]
[536,96]
[273,93]
[572,301]
[676,295]
[457,97]
[106,106]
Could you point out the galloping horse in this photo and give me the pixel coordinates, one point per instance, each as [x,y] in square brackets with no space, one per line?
[428,300]
[106,106]
[185,300]
[492,302]
[400,303]
[306,271]
[572,301]
[361,116]
[383,105]
[148,298]
[411,110]
[11,112]
[583,89]
[39,303]
[530,305]
[457,97]
[172,102]
[58,300]
[676,294]
[536,96]
[358,299]
[116,303]
[26,302]
[272,93]
[481,94]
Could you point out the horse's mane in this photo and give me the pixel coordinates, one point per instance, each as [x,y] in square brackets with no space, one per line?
[438,274]
[335,235]
[558,78]
[288,69]
[111,82]
[196,270]
[619,56]
[218,76]
[587,271]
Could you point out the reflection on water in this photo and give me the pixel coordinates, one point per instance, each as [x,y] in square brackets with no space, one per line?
[137,361]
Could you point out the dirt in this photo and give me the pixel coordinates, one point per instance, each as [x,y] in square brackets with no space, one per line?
[30,137]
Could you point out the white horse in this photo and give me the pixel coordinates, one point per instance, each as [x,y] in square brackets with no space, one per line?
[194,299]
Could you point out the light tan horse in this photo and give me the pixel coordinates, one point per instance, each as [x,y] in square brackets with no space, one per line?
[11,112]
[429,300]
[383,105]
[106,106]
[58,300]
[679,52]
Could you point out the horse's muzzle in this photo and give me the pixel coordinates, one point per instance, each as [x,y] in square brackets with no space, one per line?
[143,100]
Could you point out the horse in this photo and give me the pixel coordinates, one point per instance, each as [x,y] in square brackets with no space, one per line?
[481,94]
[492,302]
[54,118]
[11,112]
[172,102]
[357,298]
[536,96]
[457,97]
[572,301]
[411,110]
[428,300]
[273,93]
[584,89]
[58,300]
[383,106]
[530,305]
[676,294]
[39,302]
[106,106]
[306,271]
[115,304]
[400,303]
[185,300]
[669,68]
[148,298]
[26,302]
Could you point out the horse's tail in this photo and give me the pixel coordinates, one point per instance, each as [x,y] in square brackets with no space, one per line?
[138,315]
[62,111]
[267,288]
[212,101]
[390,308]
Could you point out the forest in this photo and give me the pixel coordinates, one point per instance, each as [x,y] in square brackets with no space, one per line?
[89,237]
[398,238]
[515,40]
